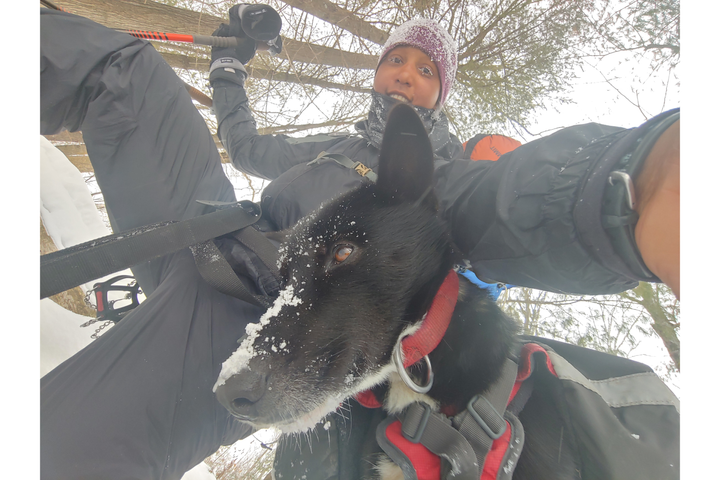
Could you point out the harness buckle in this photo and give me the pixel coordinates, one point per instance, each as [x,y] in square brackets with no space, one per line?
[410,420]
[488,410]
[361,169]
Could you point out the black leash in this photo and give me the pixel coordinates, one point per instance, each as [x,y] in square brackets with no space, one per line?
[70,267]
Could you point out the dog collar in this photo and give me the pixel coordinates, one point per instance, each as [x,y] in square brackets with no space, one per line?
[417,346]
[435,324]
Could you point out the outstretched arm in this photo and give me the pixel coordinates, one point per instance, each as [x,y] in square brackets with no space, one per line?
[553,214]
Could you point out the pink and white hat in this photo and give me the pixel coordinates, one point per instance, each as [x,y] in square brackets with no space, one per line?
[428,36]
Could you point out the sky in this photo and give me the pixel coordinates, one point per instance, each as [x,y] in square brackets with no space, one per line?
[700,171]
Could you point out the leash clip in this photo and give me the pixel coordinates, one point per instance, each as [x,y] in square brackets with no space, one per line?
[407,380]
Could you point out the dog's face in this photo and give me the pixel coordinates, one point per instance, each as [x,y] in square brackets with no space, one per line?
[356,275]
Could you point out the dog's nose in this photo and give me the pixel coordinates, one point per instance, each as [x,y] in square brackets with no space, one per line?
[241,393]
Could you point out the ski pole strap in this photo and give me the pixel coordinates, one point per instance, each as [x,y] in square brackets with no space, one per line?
[70,267]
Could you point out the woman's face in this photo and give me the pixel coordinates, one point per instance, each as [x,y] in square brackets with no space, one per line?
[408,74]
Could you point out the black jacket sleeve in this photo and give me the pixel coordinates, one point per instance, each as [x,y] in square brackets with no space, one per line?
[533,217]
[264,156]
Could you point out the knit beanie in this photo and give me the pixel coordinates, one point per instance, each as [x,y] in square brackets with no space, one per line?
[428,36]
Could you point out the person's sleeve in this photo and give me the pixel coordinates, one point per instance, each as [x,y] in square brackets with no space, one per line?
[534,217]
[264,156]
[151,151]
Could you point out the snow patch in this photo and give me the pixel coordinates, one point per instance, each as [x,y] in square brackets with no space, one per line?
[240,359]
[200,472]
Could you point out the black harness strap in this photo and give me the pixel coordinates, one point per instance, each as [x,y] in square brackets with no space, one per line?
[70,267]
[436,433]
[484,419]
[346,162]
[465,440]
[82,263]
[216,271]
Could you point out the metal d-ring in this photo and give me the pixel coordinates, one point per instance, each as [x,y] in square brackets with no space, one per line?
[398,361]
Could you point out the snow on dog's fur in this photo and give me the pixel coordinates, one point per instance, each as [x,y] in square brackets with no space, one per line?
[358,275]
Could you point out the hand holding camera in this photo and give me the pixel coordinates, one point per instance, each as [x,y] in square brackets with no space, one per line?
[254,26]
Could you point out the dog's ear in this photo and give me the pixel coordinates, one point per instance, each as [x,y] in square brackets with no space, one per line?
[406,157]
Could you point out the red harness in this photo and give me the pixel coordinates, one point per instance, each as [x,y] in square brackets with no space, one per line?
[427,465]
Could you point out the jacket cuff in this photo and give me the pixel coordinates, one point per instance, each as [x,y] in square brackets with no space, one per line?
[605,214]
[228,68]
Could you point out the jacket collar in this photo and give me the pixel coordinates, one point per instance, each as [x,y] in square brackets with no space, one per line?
[372,129]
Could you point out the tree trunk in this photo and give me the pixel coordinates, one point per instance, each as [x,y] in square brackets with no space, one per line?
[665,327]
[178,60]
[71,144]
[73,299]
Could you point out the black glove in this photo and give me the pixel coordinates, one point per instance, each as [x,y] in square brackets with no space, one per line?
[246,47]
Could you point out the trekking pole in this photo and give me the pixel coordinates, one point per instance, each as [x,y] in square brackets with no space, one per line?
[270,46]
[199,39]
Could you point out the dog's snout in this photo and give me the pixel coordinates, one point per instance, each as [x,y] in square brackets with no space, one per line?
[241,393]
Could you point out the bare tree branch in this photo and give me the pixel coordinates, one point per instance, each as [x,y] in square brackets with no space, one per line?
[177,60]
[154,16]
[341,17]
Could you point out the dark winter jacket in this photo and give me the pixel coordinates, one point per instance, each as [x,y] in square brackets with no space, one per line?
[137,403]
[513,219]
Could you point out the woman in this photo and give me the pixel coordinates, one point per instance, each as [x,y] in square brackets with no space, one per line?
[138,403]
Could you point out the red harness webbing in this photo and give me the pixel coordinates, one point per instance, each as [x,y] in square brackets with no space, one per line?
[426,463]
[436,322]
[430,334]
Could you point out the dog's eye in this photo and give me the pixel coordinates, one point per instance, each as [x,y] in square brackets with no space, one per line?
[342,252]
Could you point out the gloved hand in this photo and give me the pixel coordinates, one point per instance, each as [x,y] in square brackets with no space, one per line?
[246,47]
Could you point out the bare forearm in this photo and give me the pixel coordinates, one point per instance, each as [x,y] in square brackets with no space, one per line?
[658,204]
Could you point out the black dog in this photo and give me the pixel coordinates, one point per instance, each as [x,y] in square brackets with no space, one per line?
[359,275]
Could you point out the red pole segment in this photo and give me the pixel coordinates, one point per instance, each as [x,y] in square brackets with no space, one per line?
[173,37]
[181,37]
